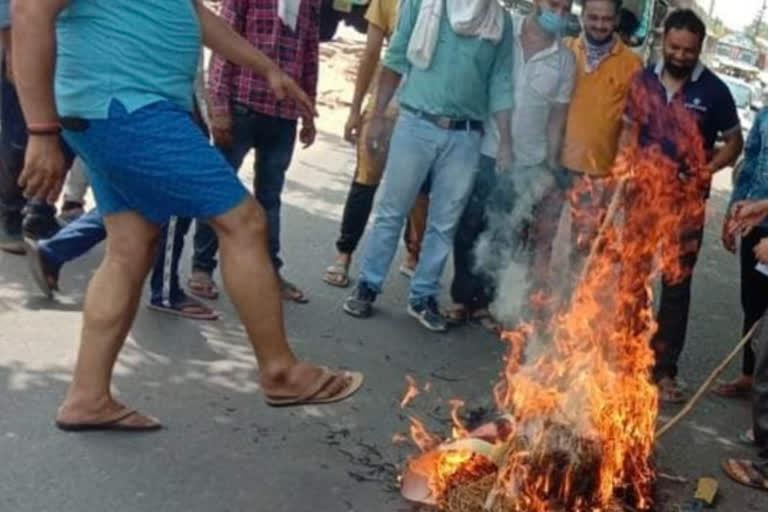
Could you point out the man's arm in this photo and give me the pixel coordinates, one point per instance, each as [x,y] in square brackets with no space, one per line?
[311,64]
[369,61]
[34,52]
[396,60]
[34,48]
[501,94]
[729,152]
[222,39]
[556,133]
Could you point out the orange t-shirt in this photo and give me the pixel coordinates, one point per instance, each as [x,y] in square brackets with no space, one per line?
[597,107]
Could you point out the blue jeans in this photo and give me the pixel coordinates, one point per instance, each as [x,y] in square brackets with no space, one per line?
[421,150]
[82,234]
[273,139]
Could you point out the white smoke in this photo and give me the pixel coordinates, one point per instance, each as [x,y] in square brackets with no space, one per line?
[501,252]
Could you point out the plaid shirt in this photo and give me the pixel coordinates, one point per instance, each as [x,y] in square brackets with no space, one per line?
[295,52]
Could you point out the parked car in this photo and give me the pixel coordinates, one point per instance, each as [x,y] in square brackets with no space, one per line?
[743,95]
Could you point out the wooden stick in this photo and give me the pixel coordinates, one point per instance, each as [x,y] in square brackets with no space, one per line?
[610,213]
[707,383]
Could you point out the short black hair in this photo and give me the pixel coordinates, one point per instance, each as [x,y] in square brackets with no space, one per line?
[618,4]
[686,19]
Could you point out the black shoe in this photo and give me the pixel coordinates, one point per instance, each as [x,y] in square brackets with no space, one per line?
[45,274]
[427,312]
[11,240]
[360,303]
[38,226]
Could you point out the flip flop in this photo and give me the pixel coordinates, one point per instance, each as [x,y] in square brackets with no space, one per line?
[45,277]
[670,391]
[732,390]
[202,285]
[407,271]
[746,472]
[485,320]
[290,291]
[309,395]
[456,316]
[113,425]
[337,275]
[185,309]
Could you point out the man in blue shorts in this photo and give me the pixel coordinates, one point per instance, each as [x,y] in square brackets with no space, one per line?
[124,102]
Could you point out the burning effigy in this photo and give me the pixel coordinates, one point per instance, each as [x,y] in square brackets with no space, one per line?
[577,407]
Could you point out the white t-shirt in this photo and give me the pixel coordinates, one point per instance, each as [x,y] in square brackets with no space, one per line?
[546,79]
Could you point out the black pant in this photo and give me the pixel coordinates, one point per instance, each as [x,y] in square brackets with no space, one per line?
[760,388]
[673,312]
[754,292]
[471,288]
[357,210]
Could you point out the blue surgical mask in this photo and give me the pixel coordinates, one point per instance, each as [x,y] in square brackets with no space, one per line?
[552,23]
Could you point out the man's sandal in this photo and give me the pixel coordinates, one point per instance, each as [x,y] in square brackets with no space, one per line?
[115,424]
[188,308]
[337,275]
[309,395]
[746,472]
[202,285]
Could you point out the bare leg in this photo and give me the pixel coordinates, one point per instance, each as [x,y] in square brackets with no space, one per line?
[110,308]
[252,283]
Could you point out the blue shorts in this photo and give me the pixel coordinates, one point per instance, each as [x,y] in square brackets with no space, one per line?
[155,161]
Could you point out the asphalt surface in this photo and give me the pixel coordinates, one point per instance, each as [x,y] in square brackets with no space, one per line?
[224,450]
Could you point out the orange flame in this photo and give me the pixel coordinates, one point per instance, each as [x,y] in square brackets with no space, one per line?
[410,393]
[584,408]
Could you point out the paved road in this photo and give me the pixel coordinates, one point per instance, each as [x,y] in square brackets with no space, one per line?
[224,450]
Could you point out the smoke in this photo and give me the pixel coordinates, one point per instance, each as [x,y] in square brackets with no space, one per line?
[503,253]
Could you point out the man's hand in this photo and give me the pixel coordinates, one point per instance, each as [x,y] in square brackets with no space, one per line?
[44,169]
[352,128]
[221,128]
[747,214]
[285,88]
[728,235]
[504,156]
[375,139]
[308,132]
[761,251]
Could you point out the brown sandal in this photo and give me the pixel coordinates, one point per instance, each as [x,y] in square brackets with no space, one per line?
[202,285]
[309,396]
[746,472]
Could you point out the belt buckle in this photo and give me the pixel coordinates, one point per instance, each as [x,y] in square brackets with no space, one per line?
[446,123]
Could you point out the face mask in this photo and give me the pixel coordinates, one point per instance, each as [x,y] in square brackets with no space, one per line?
[678,71]
[552,23]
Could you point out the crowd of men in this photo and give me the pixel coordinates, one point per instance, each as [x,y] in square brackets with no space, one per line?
[530,116]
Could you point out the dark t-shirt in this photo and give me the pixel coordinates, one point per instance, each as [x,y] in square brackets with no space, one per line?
[685,123]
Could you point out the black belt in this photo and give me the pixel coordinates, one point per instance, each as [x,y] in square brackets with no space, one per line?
[444,122]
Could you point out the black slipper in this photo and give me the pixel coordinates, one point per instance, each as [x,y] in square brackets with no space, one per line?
[111,425]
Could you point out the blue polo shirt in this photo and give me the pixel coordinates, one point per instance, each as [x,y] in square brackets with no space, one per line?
[664,117]
[134,52]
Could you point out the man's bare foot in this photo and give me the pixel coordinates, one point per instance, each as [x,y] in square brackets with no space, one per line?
[111,415]
[304,384]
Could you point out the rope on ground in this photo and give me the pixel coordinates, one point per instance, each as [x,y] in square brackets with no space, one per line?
[707,383]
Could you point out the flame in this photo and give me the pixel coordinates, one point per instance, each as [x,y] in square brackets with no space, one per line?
[411,392]
[576,387]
